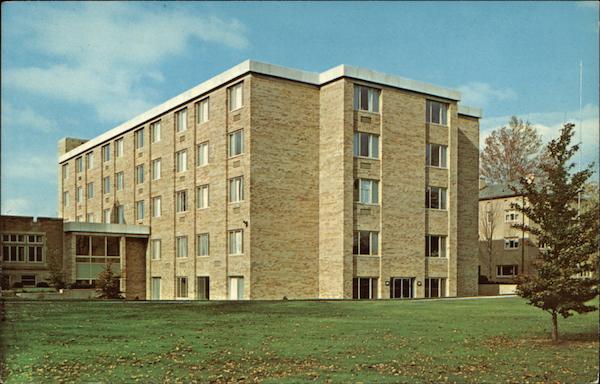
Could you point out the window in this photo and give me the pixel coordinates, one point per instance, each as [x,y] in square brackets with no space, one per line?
[236,189]
[507,270]
[139,210]
[182,287]
[181,161]
[511,243]
[66,199]
[181,246]
[236,288]
[236,143]
[366,99]
[364,288]
[79,164]
[90,190]
[139,138]
[511,216]
[366,145]
[139,174]
[89,160]
[79,219]
[203,288]
[28,280]
[106,184]
[236,96]
[435,246]
[202,154]
[366,191]
[121,214]
[366,243]
[436,155]
[155,169]
[119,147]
[202,196]
[79,194]
[155,288]
[435,198]
[19,248]
[65,171]
[90,218]
[235,242]
[155,249]
[402,288]
[436,112]
[435,287]
[120,181]
[202,111]
[202,244]
[106,216]
[181,120]
[106,152]
[155,131]
[181,201]
[156,210]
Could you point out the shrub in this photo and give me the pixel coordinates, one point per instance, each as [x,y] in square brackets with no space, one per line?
[80,285]
[17,284]
[42,284]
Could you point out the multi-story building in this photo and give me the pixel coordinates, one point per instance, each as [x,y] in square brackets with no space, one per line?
[504,251]
[267,182]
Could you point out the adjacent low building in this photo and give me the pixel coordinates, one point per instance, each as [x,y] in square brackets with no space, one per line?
[267,182]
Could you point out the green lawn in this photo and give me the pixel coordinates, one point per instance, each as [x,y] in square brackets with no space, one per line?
[465,341]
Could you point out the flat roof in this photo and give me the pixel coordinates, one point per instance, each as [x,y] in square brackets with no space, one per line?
[251,66]
[116,229]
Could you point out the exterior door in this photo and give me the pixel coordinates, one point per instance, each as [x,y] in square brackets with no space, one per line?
[203,288]
[156,288]
[236,288]
[401,288]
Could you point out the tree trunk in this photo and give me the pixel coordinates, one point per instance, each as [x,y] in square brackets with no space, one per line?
[554,327]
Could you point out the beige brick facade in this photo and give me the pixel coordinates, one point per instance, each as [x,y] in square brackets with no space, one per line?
[298,214]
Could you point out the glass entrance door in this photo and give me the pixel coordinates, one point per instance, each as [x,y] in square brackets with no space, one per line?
[402,287]
[156,288]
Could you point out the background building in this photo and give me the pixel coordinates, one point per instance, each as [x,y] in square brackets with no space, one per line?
[265,182]
[504,251]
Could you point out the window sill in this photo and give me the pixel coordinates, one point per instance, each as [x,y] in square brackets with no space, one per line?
[436,167]
[238,203]
[202,166]
[235,254]
[183,258]
[367,204]
[372,256]
[202,208]
[436,258]
[234,156]
[203,256]
[366,158]
[437,124]
[437,209]
[367,112]
[235,110]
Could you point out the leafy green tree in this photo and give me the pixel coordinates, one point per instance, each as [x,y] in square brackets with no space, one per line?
[511,152]
[570,237]
[108,283]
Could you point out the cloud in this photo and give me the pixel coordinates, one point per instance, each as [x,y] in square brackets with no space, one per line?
[29,166]
[548,124]
[105,55]
[482,94]
[25,118]
[16,206]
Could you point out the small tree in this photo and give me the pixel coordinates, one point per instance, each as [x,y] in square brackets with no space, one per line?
[57,275]
[108,283]
[511,152]
[488,219]
[571,237]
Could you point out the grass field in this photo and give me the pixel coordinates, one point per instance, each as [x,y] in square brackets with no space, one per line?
[465,341]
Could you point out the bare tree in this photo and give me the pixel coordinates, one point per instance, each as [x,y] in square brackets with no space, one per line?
[511,152]
[488,220]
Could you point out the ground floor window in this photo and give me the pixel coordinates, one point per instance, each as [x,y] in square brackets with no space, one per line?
[28,280]
[507,270]
[203,288]
[435,287]
[364,288]
[155,288]
[401,287]
[93,254]
[182,287]
[236,288]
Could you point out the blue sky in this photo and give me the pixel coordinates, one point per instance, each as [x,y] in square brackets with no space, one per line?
[79,69]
